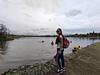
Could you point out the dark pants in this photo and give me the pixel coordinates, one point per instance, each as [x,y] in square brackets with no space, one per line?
[60,59]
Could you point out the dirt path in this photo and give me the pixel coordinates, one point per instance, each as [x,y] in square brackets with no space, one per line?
[84,62]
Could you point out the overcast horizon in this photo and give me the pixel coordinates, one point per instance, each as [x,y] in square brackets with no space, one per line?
[45,16]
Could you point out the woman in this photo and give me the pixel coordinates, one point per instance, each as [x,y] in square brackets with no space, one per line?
[60,51]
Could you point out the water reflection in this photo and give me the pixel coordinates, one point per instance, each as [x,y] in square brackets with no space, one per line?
[92,39]
[3,47]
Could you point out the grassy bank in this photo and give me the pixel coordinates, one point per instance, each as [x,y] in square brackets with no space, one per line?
[9,37]
[6,38]
[85,62]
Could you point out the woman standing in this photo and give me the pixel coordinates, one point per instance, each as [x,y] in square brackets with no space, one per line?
[60,51]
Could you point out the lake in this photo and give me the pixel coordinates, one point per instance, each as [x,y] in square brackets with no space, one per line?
[31,50]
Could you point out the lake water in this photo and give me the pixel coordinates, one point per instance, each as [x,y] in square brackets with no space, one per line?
[31,50]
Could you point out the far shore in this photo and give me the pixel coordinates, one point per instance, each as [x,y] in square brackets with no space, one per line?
[13,36]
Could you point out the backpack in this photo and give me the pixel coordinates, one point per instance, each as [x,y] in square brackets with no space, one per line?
[66,43]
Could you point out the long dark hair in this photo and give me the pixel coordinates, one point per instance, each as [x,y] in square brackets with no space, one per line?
[59,30]
[58,39]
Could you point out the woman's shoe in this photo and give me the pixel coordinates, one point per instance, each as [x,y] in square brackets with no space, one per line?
[59,71]
[63,69]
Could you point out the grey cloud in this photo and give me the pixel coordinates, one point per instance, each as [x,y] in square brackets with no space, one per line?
[40,29]
[5,0]
[81,30]
[47,6]
[73,13]
[27,15]
[2,21]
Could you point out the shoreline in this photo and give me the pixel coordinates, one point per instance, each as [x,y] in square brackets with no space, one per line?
[85,62]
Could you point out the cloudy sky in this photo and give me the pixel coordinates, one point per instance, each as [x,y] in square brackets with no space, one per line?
[45,16]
